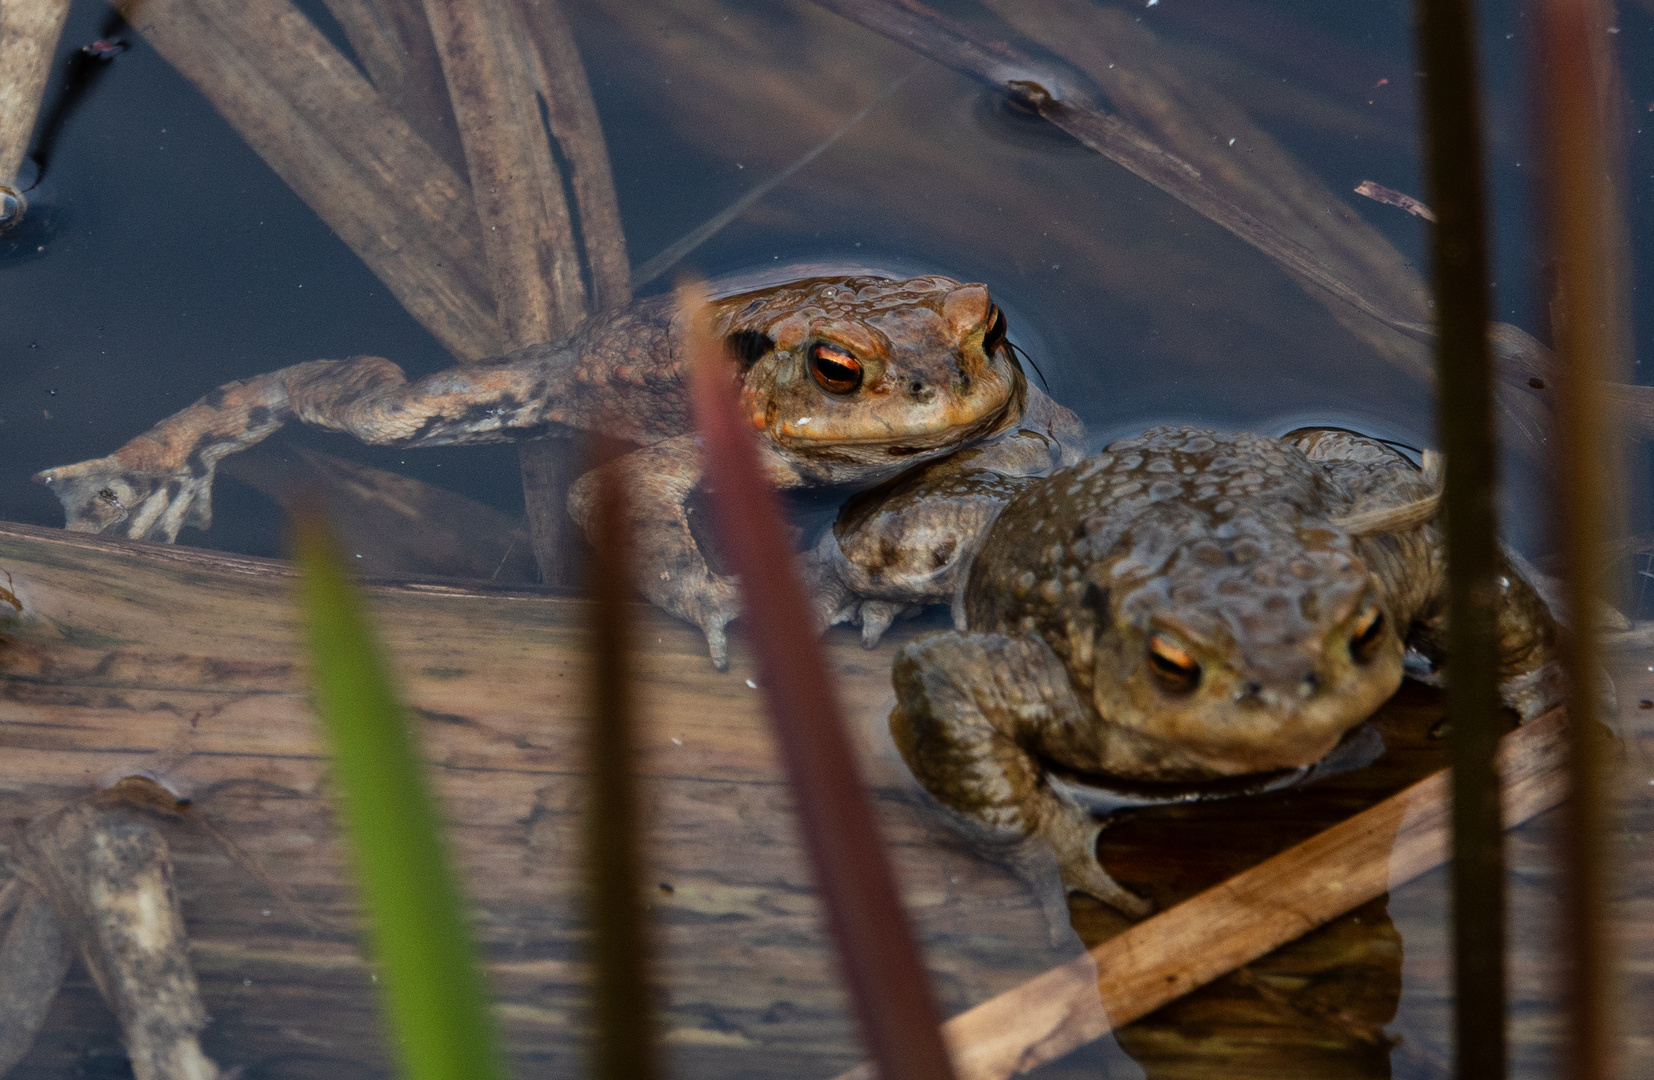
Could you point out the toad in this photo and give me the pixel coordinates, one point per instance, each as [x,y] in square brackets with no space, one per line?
[847,380]
[1186,606]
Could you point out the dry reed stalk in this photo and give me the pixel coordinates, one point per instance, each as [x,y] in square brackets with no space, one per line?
[329,135]
[491,70]
[1469,438]
[1579,91]
[393,42]
[29,30]
[625,1045]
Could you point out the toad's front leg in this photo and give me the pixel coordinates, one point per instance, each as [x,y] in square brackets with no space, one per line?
[973,712]
[669,566]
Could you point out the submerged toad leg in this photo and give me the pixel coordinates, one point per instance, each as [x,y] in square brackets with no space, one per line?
[973,715]
[34,957]
[162,480]
[670,568]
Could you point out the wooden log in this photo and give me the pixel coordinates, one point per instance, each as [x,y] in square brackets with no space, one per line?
[323,128]
[1250,914]
[29,30]
[182,665]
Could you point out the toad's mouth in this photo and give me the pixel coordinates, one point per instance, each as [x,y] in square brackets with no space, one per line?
[1104,792]
[947,430]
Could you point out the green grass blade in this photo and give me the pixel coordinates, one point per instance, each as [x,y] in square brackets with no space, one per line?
[430,989]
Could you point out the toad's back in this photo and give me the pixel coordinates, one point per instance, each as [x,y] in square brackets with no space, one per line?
[1202,519]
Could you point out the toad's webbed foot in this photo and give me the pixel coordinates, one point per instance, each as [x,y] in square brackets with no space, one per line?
[106,495]
[972,712]
[711,602]
[834,602]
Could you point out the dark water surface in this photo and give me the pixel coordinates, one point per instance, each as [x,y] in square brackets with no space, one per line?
[163,258]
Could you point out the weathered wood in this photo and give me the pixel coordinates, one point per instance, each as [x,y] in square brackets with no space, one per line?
[393,42]
[335,141]
[1257,910]
[572,116]
[29,30]
[183,665]
[527,234]
[109,875]
[34,956]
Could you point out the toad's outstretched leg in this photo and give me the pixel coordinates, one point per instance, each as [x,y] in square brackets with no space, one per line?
[162,480]
[974,714]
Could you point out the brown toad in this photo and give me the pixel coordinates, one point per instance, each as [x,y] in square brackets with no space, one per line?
[848,380]
[1183,607]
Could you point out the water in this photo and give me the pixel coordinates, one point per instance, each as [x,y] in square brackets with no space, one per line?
[163,258]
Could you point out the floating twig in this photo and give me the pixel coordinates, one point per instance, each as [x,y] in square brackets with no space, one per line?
[1392,197]
[1253,913]
[676,251]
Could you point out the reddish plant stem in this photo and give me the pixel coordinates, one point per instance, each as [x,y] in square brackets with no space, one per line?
[877,952]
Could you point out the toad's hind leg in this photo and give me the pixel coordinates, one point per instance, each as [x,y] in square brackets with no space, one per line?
[972,711]
[162,480]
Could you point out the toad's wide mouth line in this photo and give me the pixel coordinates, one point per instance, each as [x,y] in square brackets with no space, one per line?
[1102,792]
[916,440]
[1109,787]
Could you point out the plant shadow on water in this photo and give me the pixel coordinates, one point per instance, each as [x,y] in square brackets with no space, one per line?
[200,266]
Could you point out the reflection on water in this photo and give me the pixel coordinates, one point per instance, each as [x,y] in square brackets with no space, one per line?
[161,258]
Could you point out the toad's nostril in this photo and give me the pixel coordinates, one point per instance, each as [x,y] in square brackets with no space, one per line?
[1309,684]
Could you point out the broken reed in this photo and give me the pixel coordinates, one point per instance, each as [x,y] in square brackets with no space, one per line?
[889,985]
[1468,436]
[430,991]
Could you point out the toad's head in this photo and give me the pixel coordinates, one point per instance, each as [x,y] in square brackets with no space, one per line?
[857,378]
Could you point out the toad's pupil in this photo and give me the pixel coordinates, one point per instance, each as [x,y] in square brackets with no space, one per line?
[1172,665]
[1365,640]
[834,369]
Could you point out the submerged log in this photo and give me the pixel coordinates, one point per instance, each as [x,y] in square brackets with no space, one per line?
[184,666]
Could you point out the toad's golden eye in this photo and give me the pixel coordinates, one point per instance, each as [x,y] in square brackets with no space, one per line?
[1173,667]
[994,336]
[1369,630]
[834,369]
